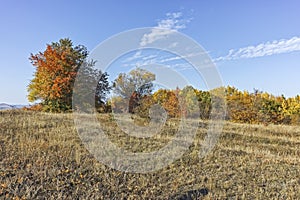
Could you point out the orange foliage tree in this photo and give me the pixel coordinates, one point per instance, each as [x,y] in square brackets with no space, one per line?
[169,100]
[56,70]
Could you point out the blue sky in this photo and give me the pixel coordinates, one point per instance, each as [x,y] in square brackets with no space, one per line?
[254,44]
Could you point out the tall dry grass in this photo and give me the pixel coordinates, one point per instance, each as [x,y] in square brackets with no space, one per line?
[42,157]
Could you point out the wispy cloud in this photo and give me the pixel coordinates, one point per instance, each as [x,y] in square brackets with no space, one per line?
[263,49]
[141,57]
[172,23]
[137,55]
[173,58]
[181,66]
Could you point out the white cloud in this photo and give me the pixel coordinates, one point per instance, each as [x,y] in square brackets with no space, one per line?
[149,57]
[174,44]
[141,57]
[172,23]
[137,55]
[264,49]
[190,55]
[156,34]
[182,66]
[171,59]
[146,62]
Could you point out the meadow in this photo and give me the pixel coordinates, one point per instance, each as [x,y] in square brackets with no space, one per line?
[42,157]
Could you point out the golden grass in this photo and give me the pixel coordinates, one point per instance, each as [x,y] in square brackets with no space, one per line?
[42,157]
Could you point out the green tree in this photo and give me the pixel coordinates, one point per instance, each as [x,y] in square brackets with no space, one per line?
[205,105]
[91,88]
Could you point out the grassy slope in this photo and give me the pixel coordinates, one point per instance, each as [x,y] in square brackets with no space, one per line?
[41,156]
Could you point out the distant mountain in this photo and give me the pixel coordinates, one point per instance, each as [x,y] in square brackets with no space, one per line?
[5,106]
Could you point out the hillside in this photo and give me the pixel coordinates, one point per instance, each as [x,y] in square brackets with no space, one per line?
[41,156]
[4,106]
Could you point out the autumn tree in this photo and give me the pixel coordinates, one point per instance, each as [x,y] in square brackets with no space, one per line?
[292,109]
[189,101]
[168,99]
[56,70]
[257,107]
[132,87]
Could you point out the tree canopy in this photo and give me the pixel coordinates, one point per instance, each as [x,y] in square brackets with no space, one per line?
[137,80]
[61,63]
[132,87]
[56,70]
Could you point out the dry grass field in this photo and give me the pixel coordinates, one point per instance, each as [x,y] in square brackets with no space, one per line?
[42,157]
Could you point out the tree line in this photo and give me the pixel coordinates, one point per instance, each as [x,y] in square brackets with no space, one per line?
[57,67]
